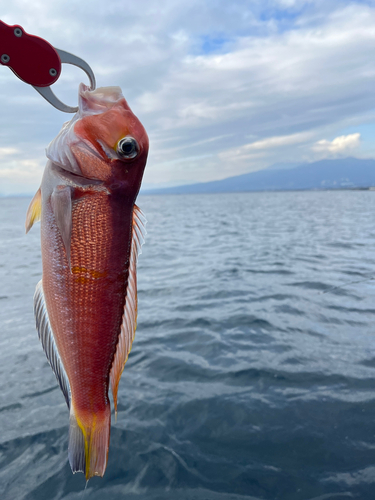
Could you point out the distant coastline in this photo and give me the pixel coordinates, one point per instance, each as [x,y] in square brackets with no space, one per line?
[347,173]
[157,193]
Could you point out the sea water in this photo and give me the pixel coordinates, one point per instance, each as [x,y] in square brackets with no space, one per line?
[252,373]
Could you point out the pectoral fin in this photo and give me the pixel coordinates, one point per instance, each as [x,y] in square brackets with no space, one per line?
[61,201]
[34,211]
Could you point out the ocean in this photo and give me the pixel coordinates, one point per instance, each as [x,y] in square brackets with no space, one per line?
[252,373]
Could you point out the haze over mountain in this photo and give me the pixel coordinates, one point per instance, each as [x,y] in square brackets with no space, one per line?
[324,174]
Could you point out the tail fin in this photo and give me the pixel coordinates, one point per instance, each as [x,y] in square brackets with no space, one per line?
[89,442]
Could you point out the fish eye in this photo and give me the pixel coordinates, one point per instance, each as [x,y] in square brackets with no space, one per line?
[128,147]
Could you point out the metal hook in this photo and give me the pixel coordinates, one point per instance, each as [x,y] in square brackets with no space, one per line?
[68,58]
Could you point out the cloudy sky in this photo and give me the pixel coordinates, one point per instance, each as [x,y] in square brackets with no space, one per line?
[222,87]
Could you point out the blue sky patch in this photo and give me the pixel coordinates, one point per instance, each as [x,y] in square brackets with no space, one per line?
[213,44]
[367,131]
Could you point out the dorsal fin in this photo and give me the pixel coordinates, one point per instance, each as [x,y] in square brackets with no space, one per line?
[129,319]
[34,211]
[48,341]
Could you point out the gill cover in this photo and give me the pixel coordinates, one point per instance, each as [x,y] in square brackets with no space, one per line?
[62,150]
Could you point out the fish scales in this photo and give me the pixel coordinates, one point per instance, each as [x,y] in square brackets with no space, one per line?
[92,231]
[94,291]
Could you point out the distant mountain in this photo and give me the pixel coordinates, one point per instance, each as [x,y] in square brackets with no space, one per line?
[324,174]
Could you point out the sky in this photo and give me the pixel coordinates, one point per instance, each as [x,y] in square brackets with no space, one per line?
[222,88]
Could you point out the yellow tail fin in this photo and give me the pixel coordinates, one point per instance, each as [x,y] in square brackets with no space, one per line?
[89,442]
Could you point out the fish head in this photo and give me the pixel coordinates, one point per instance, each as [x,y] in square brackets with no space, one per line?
[104,141]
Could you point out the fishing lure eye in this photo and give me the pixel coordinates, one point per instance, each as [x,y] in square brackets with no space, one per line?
[128,147]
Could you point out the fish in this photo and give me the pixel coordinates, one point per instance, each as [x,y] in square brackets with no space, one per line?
[92,231]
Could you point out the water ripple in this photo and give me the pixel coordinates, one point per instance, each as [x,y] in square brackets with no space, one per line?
[252,373]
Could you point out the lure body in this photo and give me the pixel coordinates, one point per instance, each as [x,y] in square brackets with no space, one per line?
[91,232]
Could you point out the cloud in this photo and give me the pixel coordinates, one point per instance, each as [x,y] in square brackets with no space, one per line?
[259,149]
[20,175]
[284,72]
[4,152]
[310,81]
[342,145]
[278,141]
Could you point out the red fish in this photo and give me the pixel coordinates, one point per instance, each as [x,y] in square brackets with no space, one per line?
[91,232]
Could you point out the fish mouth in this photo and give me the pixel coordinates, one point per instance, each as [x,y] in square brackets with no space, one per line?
[76,180]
